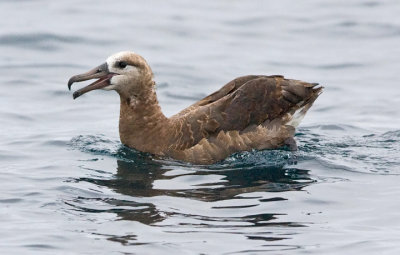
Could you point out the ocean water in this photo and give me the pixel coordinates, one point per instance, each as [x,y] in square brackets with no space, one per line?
[68,186]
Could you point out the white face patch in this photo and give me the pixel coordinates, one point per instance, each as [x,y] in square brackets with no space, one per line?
[124,74]
[111,60]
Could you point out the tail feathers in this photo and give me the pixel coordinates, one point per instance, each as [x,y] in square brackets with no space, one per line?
[303,106]
[297,117]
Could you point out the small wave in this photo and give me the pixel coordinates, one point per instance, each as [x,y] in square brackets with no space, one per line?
[354,149]
[100,145]
[192,97]
[331,129]
[42,41]
[96,144]
[16,116]
[392,134]
[38,66]
[341,65]
[246,22]
[254,158]
[371,4]
[353,29]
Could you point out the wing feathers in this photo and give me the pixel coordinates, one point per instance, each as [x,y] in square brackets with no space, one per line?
[243,102]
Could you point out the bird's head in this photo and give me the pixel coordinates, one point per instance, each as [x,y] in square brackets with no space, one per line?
[125,72]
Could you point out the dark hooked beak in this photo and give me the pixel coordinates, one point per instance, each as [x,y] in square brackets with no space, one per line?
[101,72]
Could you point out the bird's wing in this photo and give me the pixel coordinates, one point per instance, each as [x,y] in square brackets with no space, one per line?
[248,100]
[227,89]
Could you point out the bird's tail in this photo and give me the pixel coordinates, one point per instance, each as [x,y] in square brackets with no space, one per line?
[297,115]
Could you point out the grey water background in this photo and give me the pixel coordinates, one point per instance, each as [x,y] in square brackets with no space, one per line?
[67,185]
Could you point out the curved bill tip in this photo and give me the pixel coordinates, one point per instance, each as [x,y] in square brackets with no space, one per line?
[101,73]
[76,94]
[70,82]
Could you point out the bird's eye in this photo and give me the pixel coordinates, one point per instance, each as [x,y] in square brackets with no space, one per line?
[122,64]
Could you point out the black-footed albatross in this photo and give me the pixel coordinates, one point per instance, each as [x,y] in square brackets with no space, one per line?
[249,112]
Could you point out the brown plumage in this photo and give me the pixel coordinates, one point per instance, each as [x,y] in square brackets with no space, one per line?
[250,112]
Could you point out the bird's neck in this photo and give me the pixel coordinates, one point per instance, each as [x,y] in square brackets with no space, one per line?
[141,122]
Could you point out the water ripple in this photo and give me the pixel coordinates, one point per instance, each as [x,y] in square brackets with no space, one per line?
[43,41]
[141,184]
[368,153]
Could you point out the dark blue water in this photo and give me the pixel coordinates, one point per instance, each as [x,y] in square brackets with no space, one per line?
[68,186]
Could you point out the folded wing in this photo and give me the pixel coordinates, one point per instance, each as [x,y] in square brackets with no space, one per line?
[243,102]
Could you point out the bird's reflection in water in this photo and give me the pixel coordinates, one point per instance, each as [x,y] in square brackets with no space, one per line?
[138,176]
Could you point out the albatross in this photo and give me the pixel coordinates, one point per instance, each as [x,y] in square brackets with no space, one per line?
[250,112]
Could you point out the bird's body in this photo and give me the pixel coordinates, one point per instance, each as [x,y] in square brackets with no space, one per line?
[250,112]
